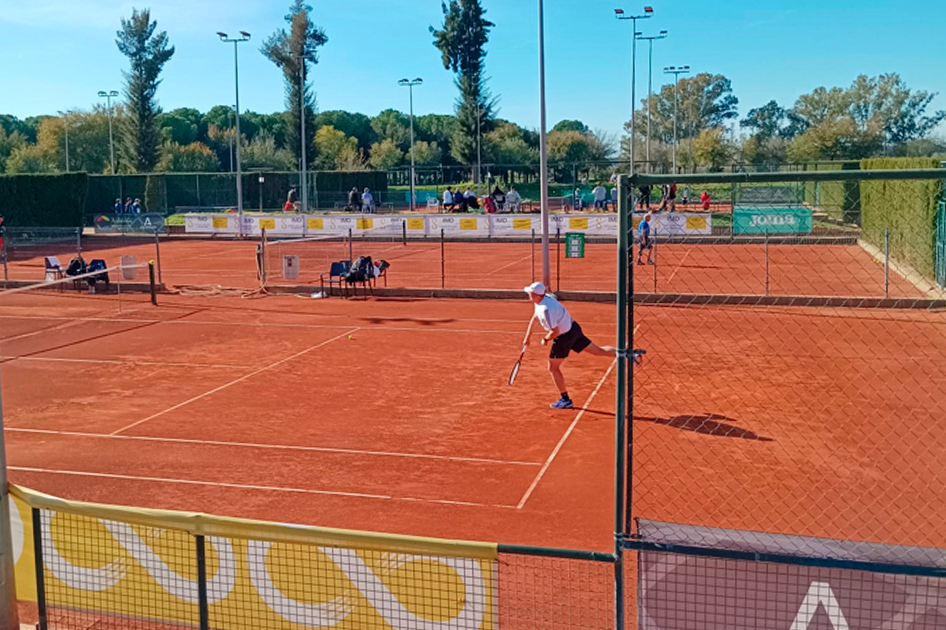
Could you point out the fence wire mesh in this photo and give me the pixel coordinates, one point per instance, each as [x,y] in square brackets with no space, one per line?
[768,400]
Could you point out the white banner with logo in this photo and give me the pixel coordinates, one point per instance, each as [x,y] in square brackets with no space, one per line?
[453,225]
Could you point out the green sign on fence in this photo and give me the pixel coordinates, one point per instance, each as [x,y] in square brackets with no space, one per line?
[574,245]
[772,220]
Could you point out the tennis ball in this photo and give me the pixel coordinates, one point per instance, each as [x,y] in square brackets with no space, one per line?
[350,337]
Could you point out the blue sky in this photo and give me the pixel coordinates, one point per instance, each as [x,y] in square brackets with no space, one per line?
[56,54]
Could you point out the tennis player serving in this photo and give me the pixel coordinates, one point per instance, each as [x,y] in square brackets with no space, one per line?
[563,333]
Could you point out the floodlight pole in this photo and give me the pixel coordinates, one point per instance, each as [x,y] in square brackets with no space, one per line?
[9,619]
[650,86]
[676,72]
[543,154]
[108,96]
[236,41]
[305,175]
[65,127]
[619,14]
[410,84]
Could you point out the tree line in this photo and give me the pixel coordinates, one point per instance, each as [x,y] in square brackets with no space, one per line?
[874,116]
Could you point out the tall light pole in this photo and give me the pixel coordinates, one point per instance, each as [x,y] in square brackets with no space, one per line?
[108,96]
[410,85]
[236,41]
[650,84]
[676,71]
[304,175]
[619,14]
[543,154]
[479,141]
[65,127]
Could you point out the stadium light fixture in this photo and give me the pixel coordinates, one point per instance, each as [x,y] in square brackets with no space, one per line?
[410,83]
[620,15]
[244,36]
[650,82]
[108,96]
[676,71]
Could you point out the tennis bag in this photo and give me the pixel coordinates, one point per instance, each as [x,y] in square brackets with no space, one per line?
[360,270]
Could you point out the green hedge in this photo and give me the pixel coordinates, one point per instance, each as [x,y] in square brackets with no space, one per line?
[907,207]
[43,200]
[840,200]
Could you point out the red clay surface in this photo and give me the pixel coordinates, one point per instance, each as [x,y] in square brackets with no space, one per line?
[805,270]
[809,421]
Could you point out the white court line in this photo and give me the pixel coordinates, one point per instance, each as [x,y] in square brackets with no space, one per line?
[235,381]
[680,264]
[515,262]
[282,447]
[558,447]
[127,362]
[215,484]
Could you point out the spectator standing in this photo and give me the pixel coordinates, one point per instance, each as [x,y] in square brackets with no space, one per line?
[644,242]
[513,200]
[128,204]
[354,200]
[118,208]
[672,197]
[577,204]
[449,203]
[601,197]
[644,201]
[686,195]
[614,197]
[705,200]
[367,202]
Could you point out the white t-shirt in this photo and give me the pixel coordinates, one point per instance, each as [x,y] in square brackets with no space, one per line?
[367,199]
[551,314]
[601,193]
[469,194]
[513,197]
[447,196]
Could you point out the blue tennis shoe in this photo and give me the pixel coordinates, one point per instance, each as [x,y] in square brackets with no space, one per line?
[561,403]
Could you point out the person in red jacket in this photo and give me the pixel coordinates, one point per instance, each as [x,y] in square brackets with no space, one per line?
[705,200]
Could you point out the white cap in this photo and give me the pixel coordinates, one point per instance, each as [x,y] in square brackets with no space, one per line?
[536,287]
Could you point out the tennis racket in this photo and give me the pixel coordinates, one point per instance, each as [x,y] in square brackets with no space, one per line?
[515,368]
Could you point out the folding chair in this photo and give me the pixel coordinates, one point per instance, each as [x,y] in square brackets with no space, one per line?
[54,270]
[335,275]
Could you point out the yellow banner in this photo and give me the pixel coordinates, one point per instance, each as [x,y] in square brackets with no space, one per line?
[221,223]
[578,223]
[364,224]
[469,224]
[267,224]
[315,224]
[415,224]
[696,223]
[145,567]
[522,224]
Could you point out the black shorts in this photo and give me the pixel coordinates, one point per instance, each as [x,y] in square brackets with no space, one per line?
[574,339]
[647,245]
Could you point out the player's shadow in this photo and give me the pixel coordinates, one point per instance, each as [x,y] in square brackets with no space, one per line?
[411,320]
[708,424]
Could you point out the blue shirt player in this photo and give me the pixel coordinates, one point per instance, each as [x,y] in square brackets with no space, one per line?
[646,243]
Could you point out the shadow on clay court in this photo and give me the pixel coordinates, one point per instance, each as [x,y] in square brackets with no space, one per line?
[707,424]
[412,320]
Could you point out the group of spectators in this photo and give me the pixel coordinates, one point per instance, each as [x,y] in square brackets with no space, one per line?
[668,198]
[467,201]
[129,207]
[360,201]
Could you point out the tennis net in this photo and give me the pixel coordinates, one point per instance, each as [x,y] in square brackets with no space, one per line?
[305,260]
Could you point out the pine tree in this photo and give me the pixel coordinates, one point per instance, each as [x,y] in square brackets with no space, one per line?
[140,146]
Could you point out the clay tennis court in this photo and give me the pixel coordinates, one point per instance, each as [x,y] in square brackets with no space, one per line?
[266,408]
[833,270]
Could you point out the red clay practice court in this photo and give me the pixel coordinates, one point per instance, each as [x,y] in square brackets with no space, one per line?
[394,414]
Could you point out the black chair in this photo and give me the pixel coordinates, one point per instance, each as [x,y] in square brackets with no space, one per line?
[97,265]
[335,275]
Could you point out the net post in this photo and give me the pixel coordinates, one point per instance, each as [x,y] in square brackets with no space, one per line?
[887,262]
[404,231]
[153,286]
[351,256]
[202,604]
[79,241]
[443,268]
[40,570]
[157,254]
